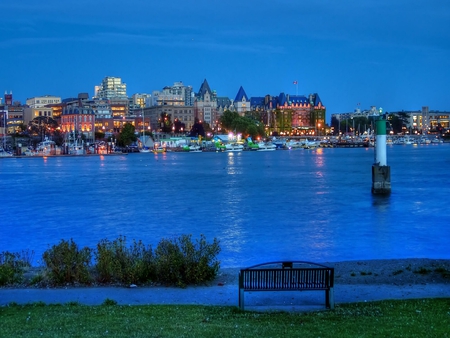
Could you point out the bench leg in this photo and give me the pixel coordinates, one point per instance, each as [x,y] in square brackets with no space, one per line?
[241,299]
[329,298]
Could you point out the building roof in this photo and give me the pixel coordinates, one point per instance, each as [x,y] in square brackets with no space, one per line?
[257,101]
[240,95]
[282,99]
[223,101]
[316,99]
[204,88]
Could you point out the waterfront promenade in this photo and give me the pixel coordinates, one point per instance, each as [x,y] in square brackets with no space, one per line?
[383,282]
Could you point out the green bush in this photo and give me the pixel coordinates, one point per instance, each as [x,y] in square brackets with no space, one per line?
[180,261]
[66,263]
[117,263]
[12,266]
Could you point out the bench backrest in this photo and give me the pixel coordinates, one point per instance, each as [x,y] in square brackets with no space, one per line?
[290,278]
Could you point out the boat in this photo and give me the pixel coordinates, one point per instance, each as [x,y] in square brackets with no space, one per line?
[279,143]
[292,144]
[193,148]
[424,140]
[436,140]
[46,147]
[262,146]
[159,149]
[251,145]
[306,144]
[144,149]
[75,149]
[234,147]
[4,153]
[219,146]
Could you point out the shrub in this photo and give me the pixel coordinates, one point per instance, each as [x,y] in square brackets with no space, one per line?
[12,266]
[181,262]
[66,263]
[117,263]
[422,271]
[109,302]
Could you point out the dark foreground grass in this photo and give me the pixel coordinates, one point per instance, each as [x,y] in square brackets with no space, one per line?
[403,318]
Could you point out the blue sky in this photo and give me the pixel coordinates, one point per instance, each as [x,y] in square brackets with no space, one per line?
[384,53]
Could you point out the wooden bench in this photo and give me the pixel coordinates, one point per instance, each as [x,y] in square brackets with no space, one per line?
[288,276]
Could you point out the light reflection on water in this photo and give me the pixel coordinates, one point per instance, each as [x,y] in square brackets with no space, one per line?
[263,206]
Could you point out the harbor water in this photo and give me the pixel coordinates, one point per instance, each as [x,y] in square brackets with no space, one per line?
[313,205]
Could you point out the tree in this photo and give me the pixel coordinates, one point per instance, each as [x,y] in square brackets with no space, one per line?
[165,123]
[397,122]
[42,126]
[197,129]
[127,135]
[248,124]
[21,129]
[252,131]
[58,137]
[179,127]
[227,119]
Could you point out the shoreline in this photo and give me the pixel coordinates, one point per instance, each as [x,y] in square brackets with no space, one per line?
[404,271]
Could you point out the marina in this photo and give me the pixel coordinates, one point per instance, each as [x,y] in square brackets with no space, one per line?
[263,206]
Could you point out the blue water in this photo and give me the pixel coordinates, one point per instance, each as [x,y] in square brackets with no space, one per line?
[311,205]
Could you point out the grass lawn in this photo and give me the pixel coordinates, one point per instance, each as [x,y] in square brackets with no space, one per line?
[399,318]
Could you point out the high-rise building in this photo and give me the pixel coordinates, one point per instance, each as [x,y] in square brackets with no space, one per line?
[141,100]
[176,95]
[111,87]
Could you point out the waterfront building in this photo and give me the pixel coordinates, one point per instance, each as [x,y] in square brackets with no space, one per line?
[412,121]
[241,102]
[15,119]
[119,107]
[185,114]
[78,119]
[291,114]
[205,105]
[30,113]
[11,115]
[111,87]
[424,120]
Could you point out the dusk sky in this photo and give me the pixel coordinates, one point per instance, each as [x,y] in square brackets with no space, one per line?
[383,53]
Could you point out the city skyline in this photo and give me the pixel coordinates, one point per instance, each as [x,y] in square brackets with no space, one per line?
[370,53]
